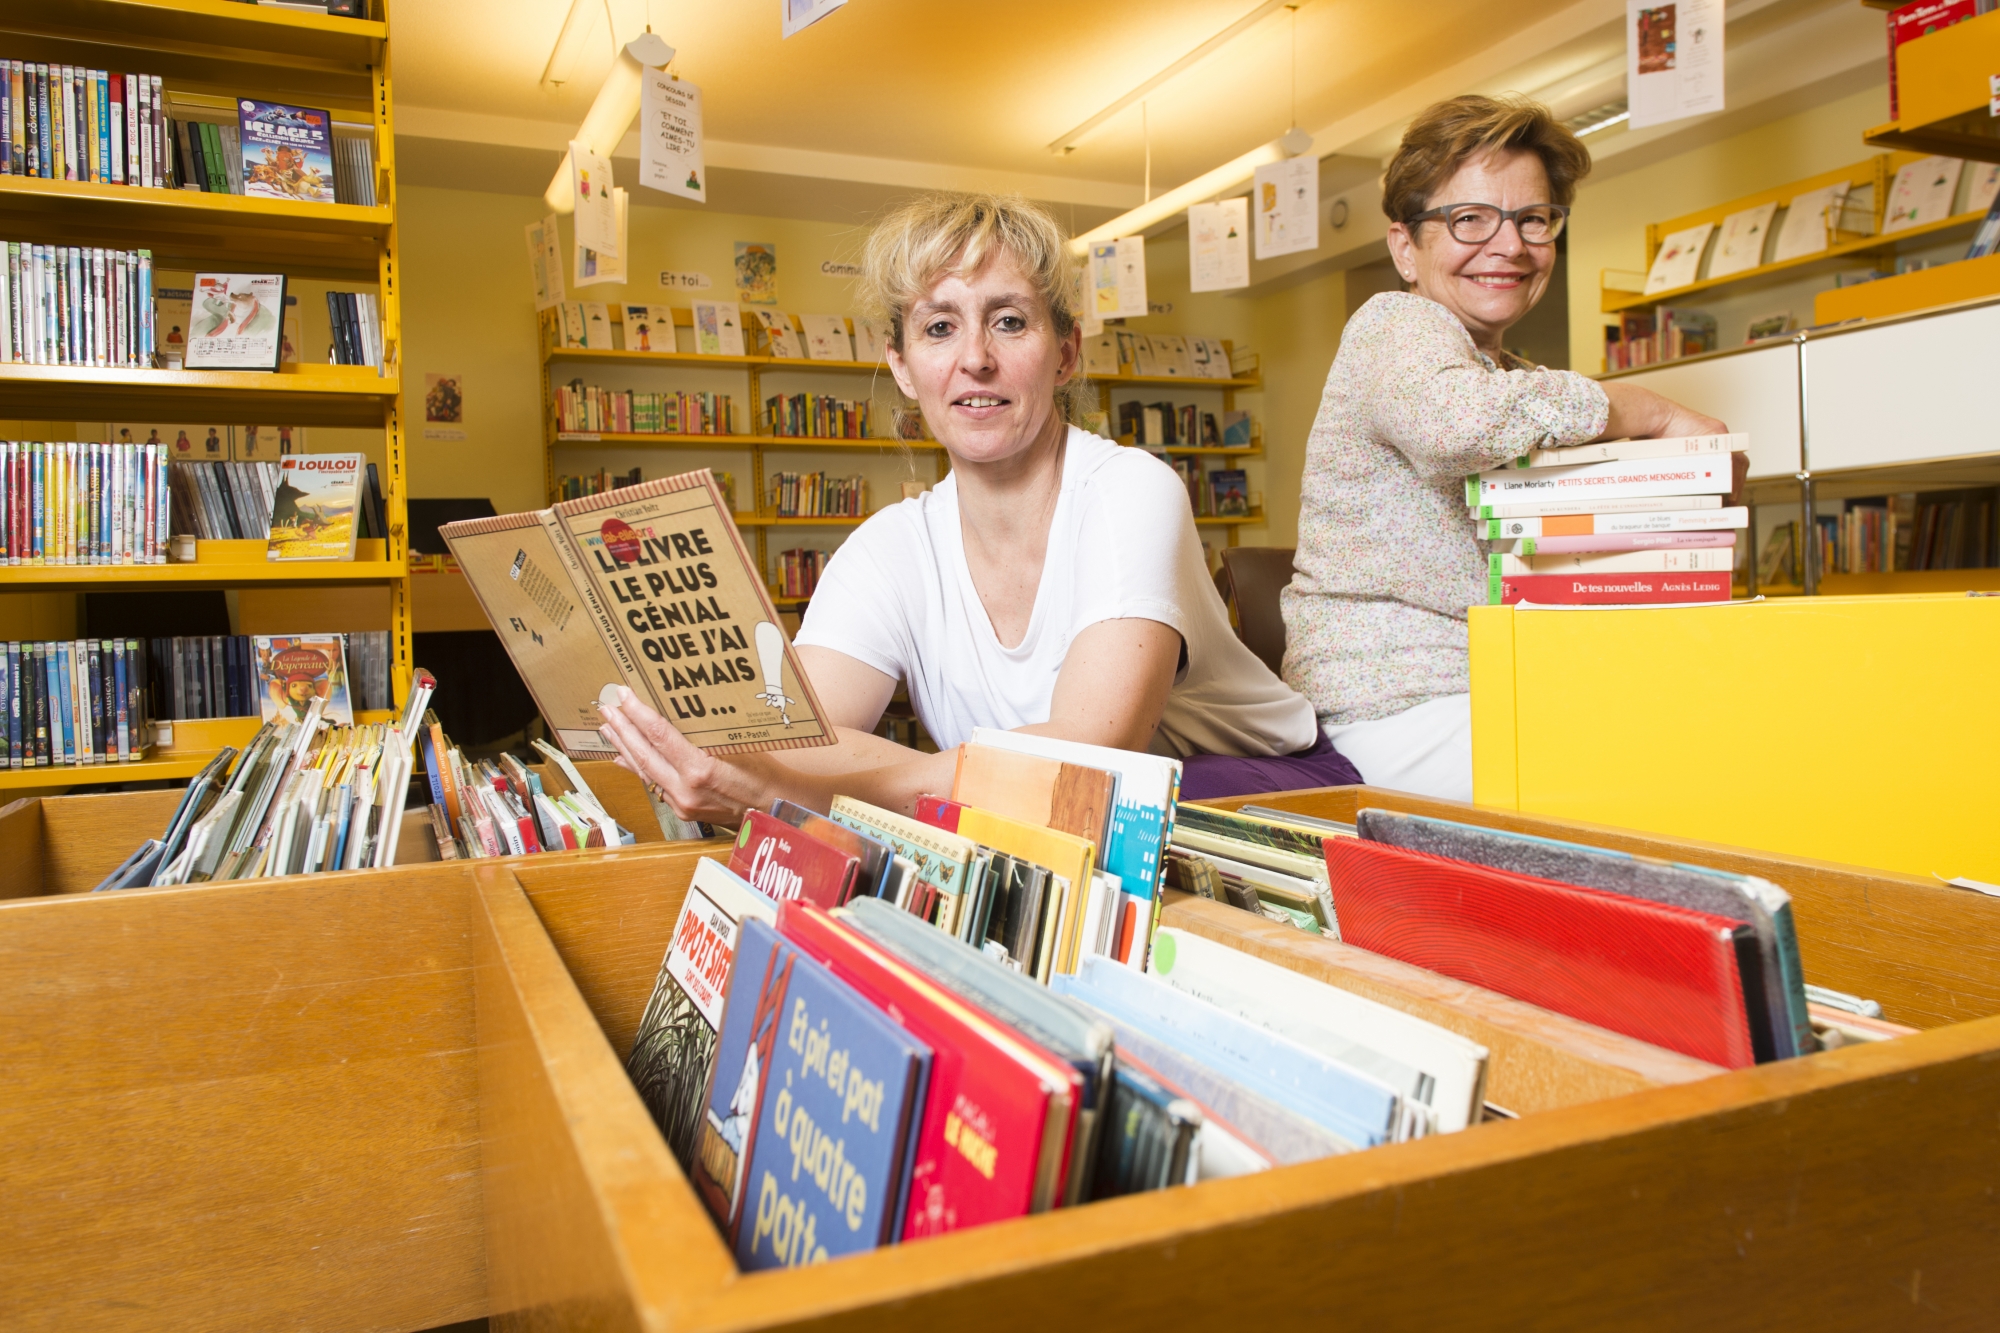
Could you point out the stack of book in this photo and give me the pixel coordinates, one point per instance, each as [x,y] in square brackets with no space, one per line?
[356,321]
[799,571]
[1648,337]
[482,807]
[816,495]
[74,703]
[224,501]
[269,150]
[574,488]
[1165,426]
[1626,522]
[582,408]
[301,797]
[1159,355]
[67,305]
[817,416]
[230,675]
[1219,492]
[83,503]
[61,122]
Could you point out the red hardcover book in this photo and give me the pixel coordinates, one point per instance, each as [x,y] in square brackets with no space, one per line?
[1915,20]
[1613,589]
[1663,974]
[999,1113]
[939,812]
[782,862]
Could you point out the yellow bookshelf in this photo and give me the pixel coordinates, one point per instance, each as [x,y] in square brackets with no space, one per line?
[244,51]
[1228,388]
[1943,90]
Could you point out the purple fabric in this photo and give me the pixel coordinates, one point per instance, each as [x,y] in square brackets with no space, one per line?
[1206,776]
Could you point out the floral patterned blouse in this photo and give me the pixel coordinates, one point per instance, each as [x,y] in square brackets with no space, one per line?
[1375,617]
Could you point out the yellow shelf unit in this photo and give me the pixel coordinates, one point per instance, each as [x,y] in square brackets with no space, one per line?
[1229,388]
[651,440]
[220,47]
[1925,289]
[1943,90]
[1878,172]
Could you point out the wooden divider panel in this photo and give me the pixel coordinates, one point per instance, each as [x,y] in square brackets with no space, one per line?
[1851,1189]
[1537,1059]
[244,1107]
[21,873]
[84,838]
[1929,954]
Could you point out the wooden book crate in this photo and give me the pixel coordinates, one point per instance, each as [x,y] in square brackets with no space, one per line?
[393,1099]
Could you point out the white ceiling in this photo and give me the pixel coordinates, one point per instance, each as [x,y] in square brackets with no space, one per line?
[887,95]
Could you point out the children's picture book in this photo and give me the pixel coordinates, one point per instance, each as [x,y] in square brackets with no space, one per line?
[1236,430]
[1804,230]
[1740,247]
[1230,490]
[574,330]
[295,669]
[651,587]
[1100,354]
[782,862]
[173,311]
[1922,193]
[779,337]
[649,328]
[827,338]
[238,321]
[596,324]
[871,340]
[756,273]
[718,328]
[315,512]
[287,151]
[776,1115]
[1679,260]
[675,1047]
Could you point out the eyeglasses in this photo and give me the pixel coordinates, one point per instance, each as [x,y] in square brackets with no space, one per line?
[1476,224]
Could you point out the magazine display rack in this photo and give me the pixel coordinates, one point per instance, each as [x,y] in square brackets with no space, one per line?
[396,1099]
[341,64]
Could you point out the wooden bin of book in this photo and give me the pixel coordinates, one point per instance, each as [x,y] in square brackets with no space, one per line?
[68,844]
[1848,1189]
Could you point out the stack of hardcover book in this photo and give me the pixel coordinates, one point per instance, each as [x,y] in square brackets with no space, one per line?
[1628,522]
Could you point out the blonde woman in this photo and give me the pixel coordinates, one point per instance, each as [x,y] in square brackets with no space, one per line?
[1422,393]
[1052,583]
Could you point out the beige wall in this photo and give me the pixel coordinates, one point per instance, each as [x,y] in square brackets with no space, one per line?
[1608,229]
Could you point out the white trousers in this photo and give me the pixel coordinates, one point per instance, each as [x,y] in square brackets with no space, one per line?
[1426,750]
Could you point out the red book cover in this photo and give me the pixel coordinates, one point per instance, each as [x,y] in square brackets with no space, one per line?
[983,1153]
[939,812]
[1920,19]
[782,862]
[1663,974]
[1613,589]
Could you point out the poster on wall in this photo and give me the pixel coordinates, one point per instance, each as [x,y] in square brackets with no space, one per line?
[1118,278]
[444,407]
[545,262]
[1287,201]
[1219,245]
[1673,60]
[756,273]
[670,157]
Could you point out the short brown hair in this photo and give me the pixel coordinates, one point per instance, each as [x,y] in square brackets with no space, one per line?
[1452,132]
[938,234]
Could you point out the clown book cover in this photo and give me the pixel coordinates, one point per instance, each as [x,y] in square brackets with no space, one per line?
[295,669]
[287,152]
[650,587]
[313,515]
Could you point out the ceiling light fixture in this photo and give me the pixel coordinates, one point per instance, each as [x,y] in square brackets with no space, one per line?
[612,113]
[569,43]
[1224,178]
[1068,143]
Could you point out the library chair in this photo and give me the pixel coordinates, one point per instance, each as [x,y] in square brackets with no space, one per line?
[1251,578]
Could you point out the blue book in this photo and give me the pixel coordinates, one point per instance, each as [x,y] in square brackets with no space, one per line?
[100,89]
[63,723]
[1359,1108]
[287,151]
[127,702]
[811,1117]
[10,703]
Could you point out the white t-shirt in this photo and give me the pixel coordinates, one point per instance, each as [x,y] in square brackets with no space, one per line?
[899,596]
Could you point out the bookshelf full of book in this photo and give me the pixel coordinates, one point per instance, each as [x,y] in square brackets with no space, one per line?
[206,154]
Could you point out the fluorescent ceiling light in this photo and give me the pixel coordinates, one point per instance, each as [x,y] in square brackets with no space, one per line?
[1618,119]
[1224,178]
[612,113]
[1067,143]
[569,42]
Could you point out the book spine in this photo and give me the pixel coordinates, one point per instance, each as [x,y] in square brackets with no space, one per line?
[1706,560]
[1703,475]
[1626,541]
[1598,505]
[101,104]
[10,699]
[1607,589]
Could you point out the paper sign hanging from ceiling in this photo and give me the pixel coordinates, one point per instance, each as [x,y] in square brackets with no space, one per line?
[1219,245]
[802,14]
[1118,278]
[1673,60]
[670,136]
[545,259]
[1285,196]
[596,217]
[593,266]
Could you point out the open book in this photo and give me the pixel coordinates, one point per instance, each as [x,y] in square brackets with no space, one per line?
[649,586]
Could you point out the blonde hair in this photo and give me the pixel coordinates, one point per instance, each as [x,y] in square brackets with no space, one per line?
[938,235]
[1450,133]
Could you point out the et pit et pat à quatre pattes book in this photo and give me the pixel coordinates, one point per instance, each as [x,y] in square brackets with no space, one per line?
[649,586]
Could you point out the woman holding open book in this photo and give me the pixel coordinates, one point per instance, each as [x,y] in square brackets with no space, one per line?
[1052,583]
[1421,394]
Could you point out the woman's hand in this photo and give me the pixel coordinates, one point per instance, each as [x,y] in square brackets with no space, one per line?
[1640,414]
[697,784]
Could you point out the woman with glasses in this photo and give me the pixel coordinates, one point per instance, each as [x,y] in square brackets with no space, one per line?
[1422,393]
